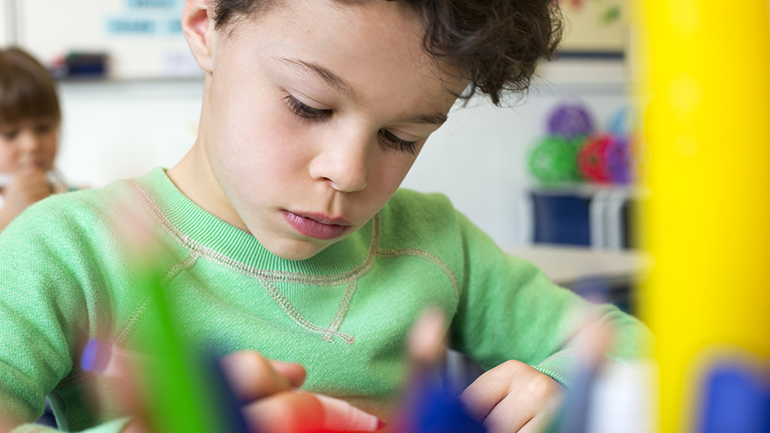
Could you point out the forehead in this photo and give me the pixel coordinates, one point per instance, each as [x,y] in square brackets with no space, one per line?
[375,46]
[29,122]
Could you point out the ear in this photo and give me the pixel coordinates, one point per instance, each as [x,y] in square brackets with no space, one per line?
[198,28]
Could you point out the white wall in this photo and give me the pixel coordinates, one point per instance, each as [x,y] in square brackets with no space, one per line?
[115,130]
[4,28]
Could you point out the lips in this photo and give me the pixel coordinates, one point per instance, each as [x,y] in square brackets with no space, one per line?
[317,226]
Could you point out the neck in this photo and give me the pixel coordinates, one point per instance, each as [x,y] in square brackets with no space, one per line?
[195,178]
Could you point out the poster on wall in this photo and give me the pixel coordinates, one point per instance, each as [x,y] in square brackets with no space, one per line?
[138,39]
[594,28]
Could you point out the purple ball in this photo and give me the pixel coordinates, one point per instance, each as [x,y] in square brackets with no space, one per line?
[618,156]
[570,121]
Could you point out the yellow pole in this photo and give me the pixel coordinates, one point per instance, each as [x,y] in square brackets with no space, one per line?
[708,219]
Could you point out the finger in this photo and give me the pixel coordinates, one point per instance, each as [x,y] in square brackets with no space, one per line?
[508,415]
[545,417]
[426,341]
[252,377]
[538,424]
[340,415]
[286,412]
[300,412]
[293,372]
[594,341]
[532,403]
[481,396]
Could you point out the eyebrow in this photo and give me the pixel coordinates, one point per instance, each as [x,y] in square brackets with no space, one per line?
[319,71]
[426,119]
[343,86]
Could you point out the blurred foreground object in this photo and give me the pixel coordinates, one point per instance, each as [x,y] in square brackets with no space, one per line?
[605,397]
[735,399]
[429,405]
[707,219]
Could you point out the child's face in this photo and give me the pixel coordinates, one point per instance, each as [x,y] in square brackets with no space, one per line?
[314,114]
[31,143]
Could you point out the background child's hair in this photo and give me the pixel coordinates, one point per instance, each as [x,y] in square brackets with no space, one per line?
[27,90]
[496,43]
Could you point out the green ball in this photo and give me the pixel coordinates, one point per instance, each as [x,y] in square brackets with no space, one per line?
[554,160]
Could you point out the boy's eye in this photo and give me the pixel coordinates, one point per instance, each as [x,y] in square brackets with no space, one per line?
[43,128]
[391,140]
[10,135]
[305,111]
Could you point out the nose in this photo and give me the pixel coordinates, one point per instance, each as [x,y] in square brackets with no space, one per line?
[344,165]
[29,141]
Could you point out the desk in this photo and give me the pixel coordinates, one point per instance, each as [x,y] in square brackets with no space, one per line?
[565,265]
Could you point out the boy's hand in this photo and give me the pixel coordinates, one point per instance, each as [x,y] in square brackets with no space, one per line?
[278,407]
[29,185]
[514,397]
[268,385]
[269,388]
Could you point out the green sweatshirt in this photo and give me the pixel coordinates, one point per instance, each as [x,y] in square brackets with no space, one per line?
[66,276]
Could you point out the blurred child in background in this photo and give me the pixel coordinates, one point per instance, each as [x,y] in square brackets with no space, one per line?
[29,133]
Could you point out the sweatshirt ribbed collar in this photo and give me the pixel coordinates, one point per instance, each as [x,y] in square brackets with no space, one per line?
[211,232]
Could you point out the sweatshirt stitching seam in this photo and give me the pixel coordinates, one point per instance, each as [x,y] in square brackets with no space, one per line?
[269,278]
[135,318]
[334,327]
[298,318]
[250,271]
[133,322]
[416,252]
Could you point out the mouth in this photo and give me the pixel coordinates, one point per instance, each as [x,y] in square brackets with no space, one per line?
[32,162]
[317,226]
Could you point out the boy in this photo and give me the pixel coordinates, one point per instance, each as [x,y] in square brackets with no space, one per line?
[281,231]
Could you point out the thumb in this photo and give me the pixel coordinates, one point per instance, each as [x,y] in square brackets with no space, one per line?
[294,373]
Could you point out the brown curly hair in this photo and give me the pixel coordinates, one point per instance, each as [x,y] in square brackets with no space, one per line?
[27,90]
[496,43]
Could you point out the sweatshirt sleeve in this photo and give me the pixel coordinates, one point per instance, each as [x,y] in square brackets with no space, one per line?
[45,317]
[36,338]
[508,309]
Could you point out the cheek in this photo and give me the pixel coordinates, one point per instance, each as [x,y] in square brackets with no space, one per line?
[261,151]
[390,176]
[50,147]
[8,157]
[399,169]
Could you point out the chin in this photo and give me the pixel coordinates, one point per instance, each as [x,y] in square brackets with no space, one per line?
[296,249]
